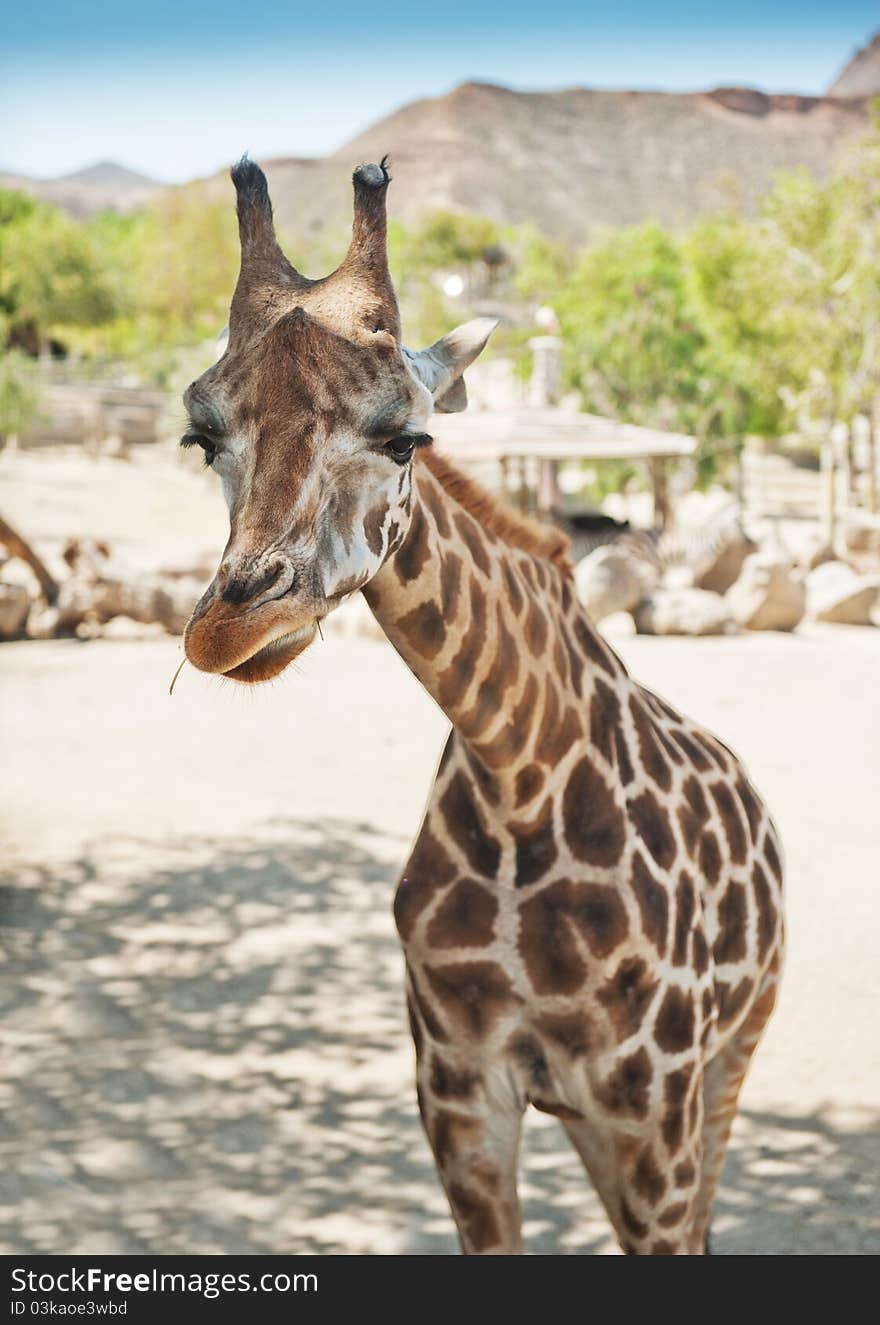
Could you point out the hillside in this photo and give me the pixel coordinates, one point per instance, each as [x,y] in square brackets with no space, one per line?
[861,77]
[577,159]
[103,186]
[568,161]
[574,160]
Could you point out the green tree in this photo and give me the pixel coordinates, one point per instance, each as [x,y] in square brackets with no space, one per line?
[635,347]
[51,275]
[19,397]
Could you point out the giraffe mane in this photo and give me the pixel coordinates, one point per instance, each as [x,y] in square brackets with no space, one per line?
[519,531]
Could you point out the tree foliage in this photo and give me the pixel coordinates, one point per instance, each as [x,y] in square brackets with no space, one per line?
[739,325]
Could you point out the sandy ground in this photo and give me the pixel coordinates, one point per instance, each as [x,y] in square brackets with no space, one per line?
[204,1040]
[207,1050]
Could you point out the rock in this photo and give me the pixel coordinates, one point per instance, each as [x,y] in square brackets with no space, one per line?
[862,537]
[43,622]
[15,602]
[684,612]
[619,625]
[76,601]
[126,628]
[836,593]
[722,566]
[612,579]
[677,577]
[816,552]
[767,595]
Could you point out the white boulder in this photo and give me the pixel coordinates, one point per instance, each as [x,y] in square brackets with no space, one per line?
[15,602]
[612,579]
[768,595]
[684,612]
[835,592]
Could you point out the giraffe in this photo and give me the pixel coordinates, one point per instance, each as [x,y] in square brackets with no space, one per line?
[591,915]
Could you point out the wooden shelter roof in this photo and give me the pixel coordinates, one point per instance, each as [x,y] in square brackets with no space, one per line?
[552,434]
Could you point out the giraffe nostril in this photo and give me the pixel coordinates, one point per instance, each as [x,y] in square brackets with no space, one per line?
[243,585]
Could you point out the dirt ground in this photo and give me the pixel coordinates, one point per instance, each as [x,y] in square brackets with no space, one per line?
[201,1005]
[202,1012]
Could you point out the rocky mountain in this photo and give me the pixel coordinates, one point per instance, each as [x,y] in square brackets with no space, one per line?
[575,160]
[861,77]
[569,161]
[103,186]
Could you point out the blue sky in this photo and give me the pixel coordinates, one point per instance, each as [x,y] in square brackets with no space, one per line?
[181,88]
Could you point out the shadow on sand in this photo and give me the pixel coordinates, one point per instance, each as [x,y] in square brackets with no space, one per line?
[207,1053]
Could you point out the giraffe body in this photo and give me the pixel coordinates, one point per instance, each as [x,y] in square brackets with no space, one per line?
[591,913]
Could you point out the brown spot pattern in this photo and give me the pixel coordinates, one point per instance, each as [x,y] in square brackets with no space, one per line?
[479,1223]
[465,918]
[592,819]
[512,738]
[529,781]
[674,1027]
[455,678]
[473,994]
[772,855]
[559,729]
[597,651]
[604,719]
[571,1031]
[652,757]
[731,1001]
[751,805]
[413,553]
[730,945]
[449,1082]
[625,1091]
[547,934]
[450,584]
[653,904]
[765,909]
[675,1091]
[547,944]
[710,858]
[474,541]
[648,1181]
[535,629]
[535,846]
[731,820]
[425,629]
[652,825]
[465,826]
[685,908]
[428,868]
[630,1222]
[627,996]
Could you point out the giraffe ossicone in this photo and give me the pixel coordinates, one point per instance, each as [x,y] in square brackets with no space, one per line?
[592,910]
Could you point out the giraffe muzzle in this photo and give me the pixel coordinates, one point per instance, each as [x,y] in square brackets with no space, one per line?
[249,626]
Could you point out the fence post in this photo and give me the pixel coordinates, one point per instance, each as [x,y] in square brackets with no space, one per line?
[657,467]
[544,390]
[828,513]
[840,438]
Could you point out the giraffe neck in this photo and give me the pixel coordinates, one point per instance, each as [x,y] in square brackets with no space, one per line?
[493,632]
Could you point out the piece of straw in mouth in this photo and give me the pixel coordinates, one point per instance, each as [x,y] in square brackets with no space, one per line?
[176,675]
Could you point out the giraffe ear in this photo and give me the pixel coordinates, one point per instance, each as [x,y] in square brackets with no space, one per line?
[441,365]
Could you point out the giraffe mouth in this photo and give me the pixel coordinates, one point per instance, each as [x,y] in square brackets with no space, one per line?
[271,659]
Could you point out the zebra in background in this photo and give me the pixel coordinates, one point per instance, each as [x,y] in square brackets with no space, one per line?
[661,549]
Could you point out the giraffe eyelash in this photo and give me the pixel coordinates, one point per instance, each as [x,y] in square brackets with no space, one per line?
[208,446]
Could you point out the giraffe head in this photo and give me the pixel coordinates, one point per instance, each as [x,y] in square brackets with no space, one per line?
[311,419]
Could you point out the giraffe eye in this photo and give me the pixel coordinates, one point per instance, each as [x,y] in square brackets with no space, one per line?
[401,448]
